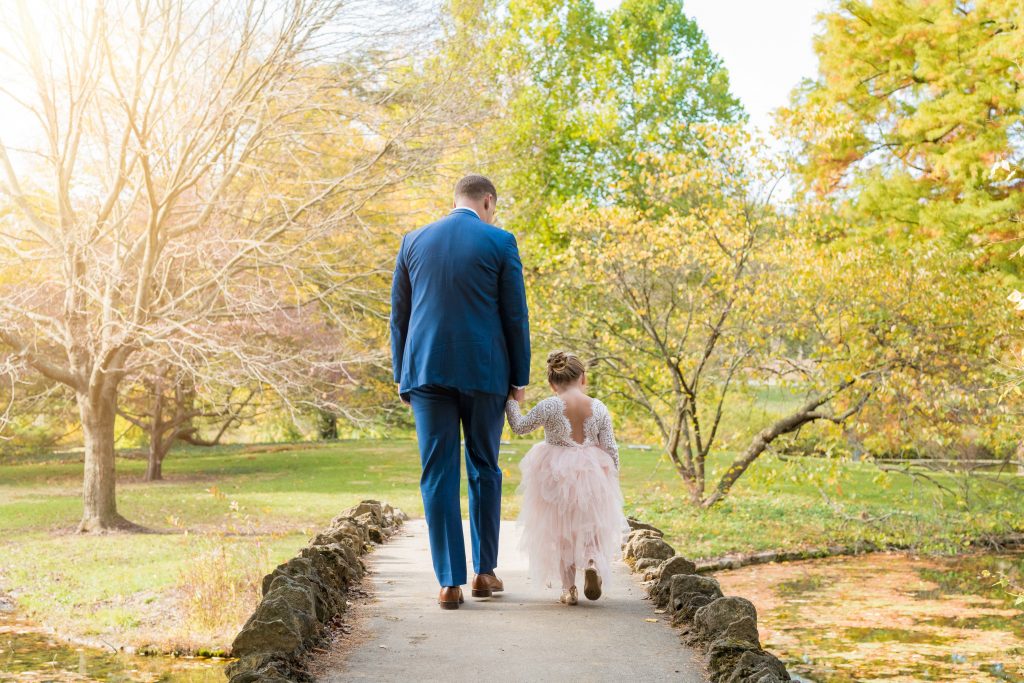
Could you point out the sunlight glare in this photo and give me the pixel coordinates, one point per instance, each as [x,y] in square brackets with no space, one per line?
[26,27]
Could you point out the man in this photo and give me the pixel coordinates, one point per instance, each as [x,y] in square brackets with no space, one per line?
[460,343]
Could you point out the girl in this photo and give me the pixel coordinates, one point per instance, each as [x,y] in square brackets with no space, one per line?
[571,515]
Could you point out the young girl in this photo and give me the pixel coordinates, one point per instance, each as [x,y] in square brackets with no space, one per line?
[571,515]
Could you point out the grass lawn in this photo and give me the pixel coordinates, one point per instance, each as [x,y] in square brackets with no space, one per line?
[224,516]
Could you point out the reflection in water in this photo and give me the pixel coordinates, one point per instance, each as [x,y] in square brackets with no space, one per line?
[27,654]
[889,617]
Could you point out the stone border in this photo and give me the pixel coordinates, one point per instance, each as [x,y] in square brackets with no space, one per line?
[306,593]
[723,628]
[736,561]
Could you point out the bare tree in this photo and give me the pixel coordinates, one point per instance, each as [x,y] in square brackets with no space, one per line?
[169,211]
[168,409]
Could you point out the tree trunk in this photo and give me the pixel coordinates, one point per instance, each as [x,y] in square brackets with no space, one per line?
[154,468]
[328,426]
[156,433]
[160,443]
[688,475]
[808,413]
[100,508]
[753,452]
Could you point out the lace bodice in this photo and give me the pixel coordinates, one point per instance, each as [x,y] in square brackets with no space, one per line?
[550,414]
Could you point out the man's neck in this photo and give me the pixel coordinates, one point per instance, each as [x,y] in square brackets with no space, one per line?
[467,208]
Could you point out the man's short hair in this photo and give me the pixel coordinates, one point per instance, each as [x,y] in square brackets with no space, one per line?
[475,187]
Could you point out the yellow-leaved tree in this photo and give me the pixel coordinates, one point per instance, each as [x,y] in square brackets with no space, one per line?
[716,289]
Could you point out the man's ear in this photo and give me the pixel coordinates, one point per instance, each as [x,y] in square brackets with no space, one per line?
[487,203]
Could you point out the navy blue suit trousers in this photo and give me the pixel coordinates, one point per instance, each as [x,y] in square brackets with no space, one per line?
[439,412]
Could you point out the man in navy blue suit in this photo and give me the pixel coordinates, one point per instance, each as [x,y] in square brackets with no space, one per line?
[460,345]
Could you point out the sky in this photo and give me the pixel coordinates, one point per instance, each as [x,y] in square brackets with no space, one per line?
[765,45]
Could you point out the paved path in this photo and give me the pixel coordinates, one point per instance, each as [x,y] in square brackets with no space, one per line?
[520,636]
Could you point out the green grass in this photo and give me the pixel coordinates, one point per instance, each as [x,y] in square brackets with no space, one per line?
[810,502]
[128,587]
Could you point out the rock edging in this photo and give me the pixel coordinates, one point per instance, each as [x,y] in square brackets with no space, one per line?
[723,627]
[736,561]
[303,595]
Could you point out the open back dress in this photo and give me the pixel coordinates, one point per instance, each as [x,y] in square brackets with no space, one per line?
[571,504]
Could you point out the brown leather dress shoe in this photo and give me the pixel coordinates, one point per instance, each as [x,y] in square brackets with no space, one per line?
[484,585]
[450,597]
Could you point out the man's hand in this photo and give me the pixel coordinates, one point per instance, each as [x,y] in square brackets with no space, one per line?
[404,399]
[519,395]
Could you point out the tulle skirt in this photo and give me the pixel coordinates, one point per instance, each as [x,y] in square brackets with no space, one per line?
[571,511]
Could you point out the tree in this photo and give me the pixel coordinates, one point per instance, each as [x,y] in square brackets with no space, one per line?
[914,122]
[911,132]
[166,218]
[587,93]
[717,292]
[166,407]
[36,415]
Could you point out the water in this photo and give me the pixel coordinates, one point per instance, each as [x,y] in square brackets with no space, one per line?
[890,617]
[29,654]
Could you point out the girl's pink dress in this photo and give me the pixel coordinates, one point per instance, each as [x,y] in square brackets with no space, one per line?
[571,510]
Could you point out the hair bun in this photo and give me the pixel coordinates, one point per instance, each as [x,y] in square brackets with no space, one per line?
[564,367]
[557,360]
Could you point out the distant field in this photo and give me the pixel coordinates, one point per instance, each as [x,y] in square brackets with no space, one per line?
[234,509]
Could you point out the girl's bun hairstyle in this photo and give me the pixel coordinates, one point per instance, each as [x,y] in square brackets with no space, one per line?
[564,368]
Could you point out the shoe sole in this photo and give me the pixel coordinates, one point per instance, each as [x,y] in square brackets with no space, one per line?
[591,584]
[451,605]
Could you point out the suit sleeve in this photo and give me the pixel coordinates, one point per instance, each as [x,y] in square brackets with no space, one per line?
[401,305]
[515,318]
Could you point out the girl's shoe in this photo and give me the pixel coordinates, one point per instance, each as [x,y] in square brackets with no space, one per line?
[591,582]
[569,596]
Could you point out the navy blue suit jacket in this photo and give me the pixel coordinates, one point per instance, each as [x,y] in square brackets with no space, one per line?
[458,308]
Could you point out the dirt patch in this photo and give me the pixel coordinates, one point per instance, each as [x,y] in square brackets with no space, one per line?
[347,632]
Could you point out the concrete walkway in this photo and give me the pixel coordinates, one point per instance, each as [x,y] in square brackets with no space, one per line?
[523,635]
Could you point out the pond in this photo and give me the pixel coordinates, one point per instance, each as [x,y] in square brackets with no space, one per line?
[889,616]
[29,654]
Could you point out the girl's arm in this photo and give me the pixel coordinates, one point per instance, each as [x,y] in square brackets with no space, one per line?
[606,435]
[524,424]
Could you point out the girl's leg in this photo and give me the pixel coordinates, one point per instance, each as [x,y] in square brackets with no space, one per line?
[568,576]
[568,584]
[592,549]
